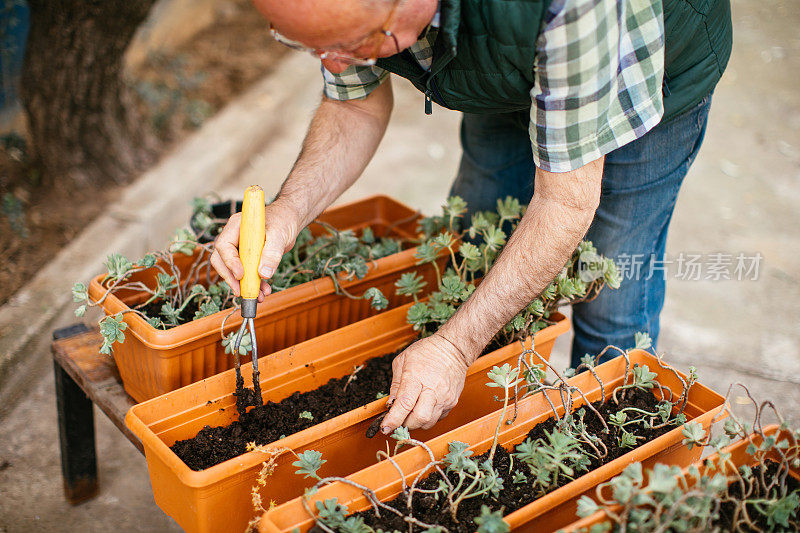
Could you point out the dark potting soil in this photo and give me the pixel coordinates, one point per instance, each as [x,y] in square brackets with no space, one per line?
[513,496]
[272,421]
[153,309]
[727,520]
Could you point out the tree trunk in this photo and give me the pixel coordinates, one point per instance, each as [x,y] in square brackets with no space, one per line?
[77,103]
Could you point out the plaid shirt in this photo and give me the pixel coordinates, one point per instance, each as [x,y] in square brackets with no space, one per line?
[598,72]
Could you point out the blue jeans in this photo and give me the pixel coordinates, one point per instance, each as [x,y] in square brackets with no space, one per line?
[639,190]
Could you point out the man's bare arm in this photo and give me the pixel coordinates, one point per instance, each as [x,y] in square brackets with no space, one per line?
[557,218]
[340,142]
[428,376]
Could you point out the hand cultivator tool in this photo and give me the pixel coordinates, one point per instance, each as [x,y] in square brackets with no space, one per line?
[251,242]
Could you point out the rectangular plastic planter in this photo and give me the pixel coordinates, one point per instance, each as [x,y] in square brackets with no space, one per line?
[218,498]
[549,512]
[153,361]
[739,457]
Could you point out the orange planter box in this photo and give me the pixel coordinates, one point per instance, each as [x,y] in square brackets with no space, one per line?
[547,513]
[739,457]
[218,498]
[153,361]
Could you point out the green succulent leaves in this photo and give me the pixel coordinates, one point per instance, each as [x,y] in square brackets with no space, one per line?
[779,511]
[331,513]
[205,309]
[643,378]
[426,252]
[118,266]
[176,297]
[376,297]
[401,434]
[491,521]
[587,506]
[642,341]
[184,242]
[229,342]
[671,499]
[558,454]
[473,257]
[694,435]
[80,294]
[454,290]
[410,284]
[504,377]
[308,463]
[111,328]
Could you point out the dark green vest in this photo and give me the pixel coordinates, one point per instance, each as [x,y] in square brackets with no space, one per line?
[484,54]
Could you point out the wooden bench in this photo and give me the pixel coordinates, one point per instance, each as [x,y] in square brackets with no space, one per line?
[84,377]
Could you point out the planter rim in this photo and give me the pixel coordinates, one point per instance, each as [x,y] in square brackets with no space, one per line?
[600,516]
[221,471]
[575,487]
[592,478]
[197,329]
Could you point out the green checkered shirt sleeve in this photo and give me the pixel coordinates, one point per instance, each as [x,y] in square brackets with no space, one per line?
[598,73]
[354,83]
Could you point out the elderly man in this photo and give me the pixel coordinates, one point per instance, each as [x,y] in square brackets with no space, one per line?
[588,111]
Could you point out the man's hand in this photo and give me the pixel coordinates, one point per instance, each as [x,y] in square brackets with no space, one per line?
[427,380]
[429,375]
[282,230]
[340,141]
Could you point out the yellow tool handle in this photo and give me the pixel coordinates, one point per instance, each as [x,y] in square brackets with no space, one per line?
[251,240]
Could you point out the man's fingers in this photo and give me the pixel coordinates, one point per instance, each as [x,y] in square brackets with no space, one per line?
[394,387]
[275,244]
[435,417]
[264,291]
[224,271]
[405,400]
[271,256]
[397,372]
[226,245]
[230,257]
[423,413]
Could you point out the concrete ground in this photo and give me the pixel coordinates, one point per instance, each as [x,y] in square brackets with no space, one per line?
[740,197]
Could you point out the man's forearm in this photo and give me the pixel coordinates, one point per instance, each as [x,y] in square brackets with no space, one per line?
[340,142]
[557,218]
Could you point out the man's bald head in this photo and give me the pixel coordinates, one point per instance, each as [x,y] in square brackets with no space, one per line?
[337,24]
[320,23]
[372,4]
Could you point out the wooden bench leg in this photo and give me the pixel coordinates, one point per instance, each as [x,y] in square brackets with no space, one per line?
[76,433]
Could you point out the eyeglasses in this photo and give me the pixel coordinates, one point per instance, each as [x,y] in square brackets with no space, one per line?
[342,55]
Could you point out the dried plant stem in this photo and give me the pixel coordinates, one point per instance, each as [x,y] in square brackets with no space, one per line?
[352,377]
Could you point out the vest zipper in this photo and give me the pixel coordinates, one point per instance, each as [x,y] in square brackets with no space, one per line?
[430,93]
[436,93]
